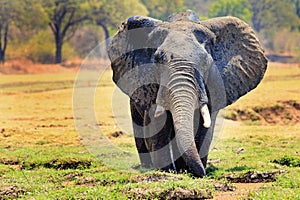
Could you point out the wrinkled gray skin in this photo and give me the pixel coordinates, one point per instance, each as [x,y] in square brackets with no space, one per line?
[170,70]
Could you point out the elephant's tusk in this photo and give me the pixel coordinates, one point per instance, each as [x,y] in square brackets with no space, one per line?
[159,111]
[206,116]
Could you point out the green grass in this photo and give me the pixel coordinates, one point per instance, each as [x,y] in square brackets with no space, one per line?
[42,155]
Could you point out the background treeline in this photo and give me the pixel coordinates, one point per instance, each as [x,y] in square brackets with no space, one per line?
[52,31]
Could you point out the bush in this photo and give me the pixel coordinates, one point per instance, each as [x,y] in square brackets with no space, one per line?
[41,48]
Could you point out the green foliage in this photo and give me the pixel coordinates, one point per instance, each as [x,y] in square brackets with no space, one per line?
[287,42]
[199,6]
[161,9]
[272,16]
[41,48]
[236,8]
[64,17]
[288,161]
[110,13]
[277,22]
[17,13]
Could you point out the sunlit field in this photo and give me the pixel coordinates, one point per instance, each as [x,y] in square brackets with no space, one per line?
[42,155]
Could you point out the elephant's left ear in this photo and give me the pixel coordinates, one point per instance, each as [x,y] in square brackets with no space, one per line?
[130,51]
[237,54]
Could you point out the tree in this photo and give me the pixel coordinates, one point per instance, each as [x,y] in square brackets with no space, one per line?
[64,18]
[5,18]
[16,13]
[271,17]
[161,9]
[199,6]
[110,13]
[236,8]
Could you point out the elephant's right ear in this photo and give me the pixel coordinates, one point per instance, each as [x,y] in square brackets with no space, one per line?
[131,53]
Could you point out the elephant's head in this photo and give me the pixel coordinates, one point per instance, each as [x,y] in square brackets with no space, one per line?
[195,65]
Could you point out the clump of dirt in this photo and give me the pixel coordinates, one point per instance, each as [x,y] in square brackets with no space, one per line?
[67,164]
[288,161]
[117,134]
[11,192]
[253,177]
[54,164]
[103,124]
[78,179]
[172,193]
[283,113]
[184,193]
[9,161]
[51,126]
[224,187]
[155,178]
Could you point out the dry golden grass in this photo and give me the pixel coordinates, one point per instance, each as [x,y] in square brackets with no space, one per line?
[37,130]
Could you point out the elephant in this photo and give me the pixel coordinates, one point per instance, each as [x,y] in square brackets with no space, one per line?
[178,74]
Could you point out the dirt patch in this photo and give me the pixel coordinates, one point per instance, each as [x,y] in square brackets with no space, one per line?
[53,164]
[103,124]
[67,164]
[172,193]
[184,193]
[51,126]
[77,178]
[240,192]
[282,113]
[155,178]
[116,134]
[72,176]
[253,177]
[11,192]
[224,187]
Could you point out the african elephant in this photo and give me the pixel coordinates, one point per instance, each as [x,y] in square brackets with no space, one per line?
[178,74]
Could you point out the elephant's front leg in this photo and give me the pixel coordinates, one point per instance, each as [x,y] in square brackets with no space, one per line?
[204,137]
[158,131]
[137,115]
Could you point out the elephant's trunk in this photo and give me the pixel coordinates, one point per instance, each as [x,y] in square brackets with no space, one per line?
[184,100]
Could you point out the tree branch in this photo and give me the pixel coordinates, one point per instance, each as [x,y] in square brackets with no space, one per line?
[52,27]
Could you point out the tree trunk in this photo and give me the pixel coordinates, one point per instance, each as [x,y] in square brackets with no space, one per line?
[106,34]
[58,53]
[2,56]
[4,44]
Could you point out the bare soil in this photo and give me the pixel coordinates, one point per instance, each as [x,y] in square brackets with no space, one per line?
[283,113]
[253,177]
[241,191]
[11,192]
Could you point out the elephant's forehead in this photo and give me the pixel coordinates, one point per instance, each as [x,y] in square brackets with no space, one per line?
[181,26]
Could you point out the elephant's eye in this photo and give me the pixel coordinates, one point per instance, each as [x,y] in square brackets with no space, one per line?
[160,56]
[201,36]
